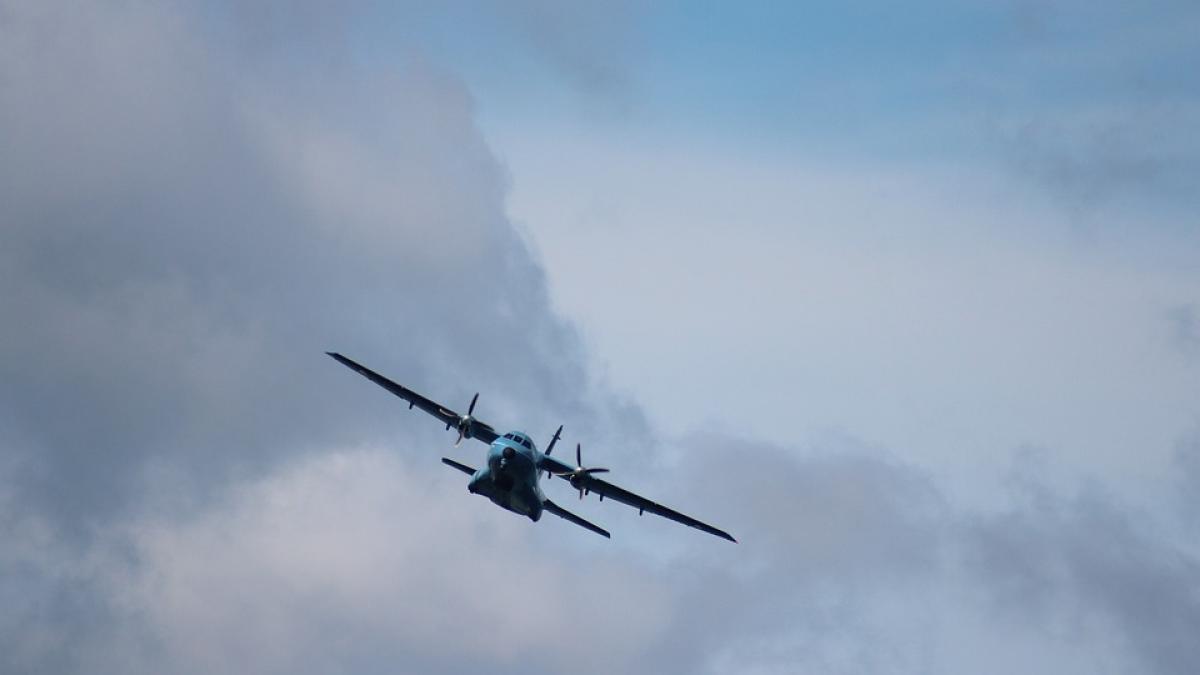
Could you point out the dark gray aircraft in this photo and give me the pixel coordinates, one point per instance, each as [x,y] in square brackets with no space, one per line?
[514,465]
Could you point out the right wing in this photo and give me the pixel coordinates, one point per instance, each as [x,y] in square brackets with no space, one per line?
[483,432]
[567,515]
[618,494]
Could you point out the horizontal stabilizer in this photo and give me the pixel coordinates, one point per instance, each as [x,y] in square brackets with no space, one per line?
[567,515]
[461,467]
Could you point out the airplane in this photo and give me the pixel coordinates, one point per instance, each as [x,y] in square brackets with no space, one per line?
[514,465]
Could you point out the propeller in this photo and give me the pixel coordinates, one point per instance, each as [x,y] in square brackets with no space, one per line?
[579,472]
[465,422]
[550,448]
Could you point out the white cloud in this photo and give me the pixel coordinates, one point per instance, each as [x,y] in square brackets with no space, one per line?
[354,551]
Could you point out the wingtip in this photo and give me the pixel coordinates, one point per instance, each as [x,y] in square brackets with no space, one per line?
[722,534]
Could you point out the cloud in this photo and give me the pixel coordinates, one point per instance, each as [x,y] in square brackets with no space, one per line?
[827,534]
[186,228]
[1187,479]
[181,245]
[1073,563]
[1184,328]
[188,485]
[590,44]
[1091,161]
[1094,108]
[355,558]
[852,560]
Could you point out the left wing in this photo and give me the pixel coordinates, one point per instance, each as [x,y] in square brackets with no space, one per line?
[567,515]
[618,494]
[483,432]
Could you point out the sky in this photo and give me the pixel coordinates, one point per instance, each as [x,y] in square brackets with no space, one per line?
[906,298]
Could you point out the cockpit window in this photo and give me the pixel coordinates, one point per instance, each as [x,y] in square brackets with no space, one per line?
[518,438]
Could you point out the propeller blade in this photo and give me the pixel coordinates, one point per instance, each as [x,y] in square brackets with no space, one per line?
[471,409]
[574,475]
[557,435]
[460,438]
[550,448]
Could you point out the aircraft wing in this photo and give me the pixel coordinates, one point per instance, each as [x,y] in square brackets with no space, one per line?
[483,432]
[567,515]
[618,494]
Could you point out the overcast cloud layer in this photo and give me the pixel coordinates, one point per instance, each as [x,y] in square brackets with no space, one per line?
[195,204]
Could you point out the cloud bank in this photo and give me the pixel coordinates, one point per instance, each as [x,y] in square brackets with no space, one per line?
[187,225]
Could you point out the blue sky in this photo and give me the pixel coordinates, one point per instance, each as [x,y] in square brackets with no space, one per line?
[1036,161]
[847,78]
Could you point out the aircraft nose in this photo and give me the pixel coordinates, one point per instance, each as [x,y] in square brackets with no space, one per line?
[508,452]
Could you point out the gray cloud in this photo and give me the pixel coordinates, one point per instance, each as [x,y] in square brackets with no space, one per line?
[1184,328]
[180,247]
[1092,162]
[1187,483]
[186,228]
[590,44]
[1085,560]
[826,535]
[1095,106]
[854,562]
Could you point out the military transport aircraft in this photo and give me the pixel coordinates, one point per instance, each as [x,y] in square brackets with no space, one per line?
[514,465]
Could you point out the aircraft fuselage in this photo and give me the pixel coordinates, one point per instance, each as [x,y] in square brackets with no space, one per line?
[510,478]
